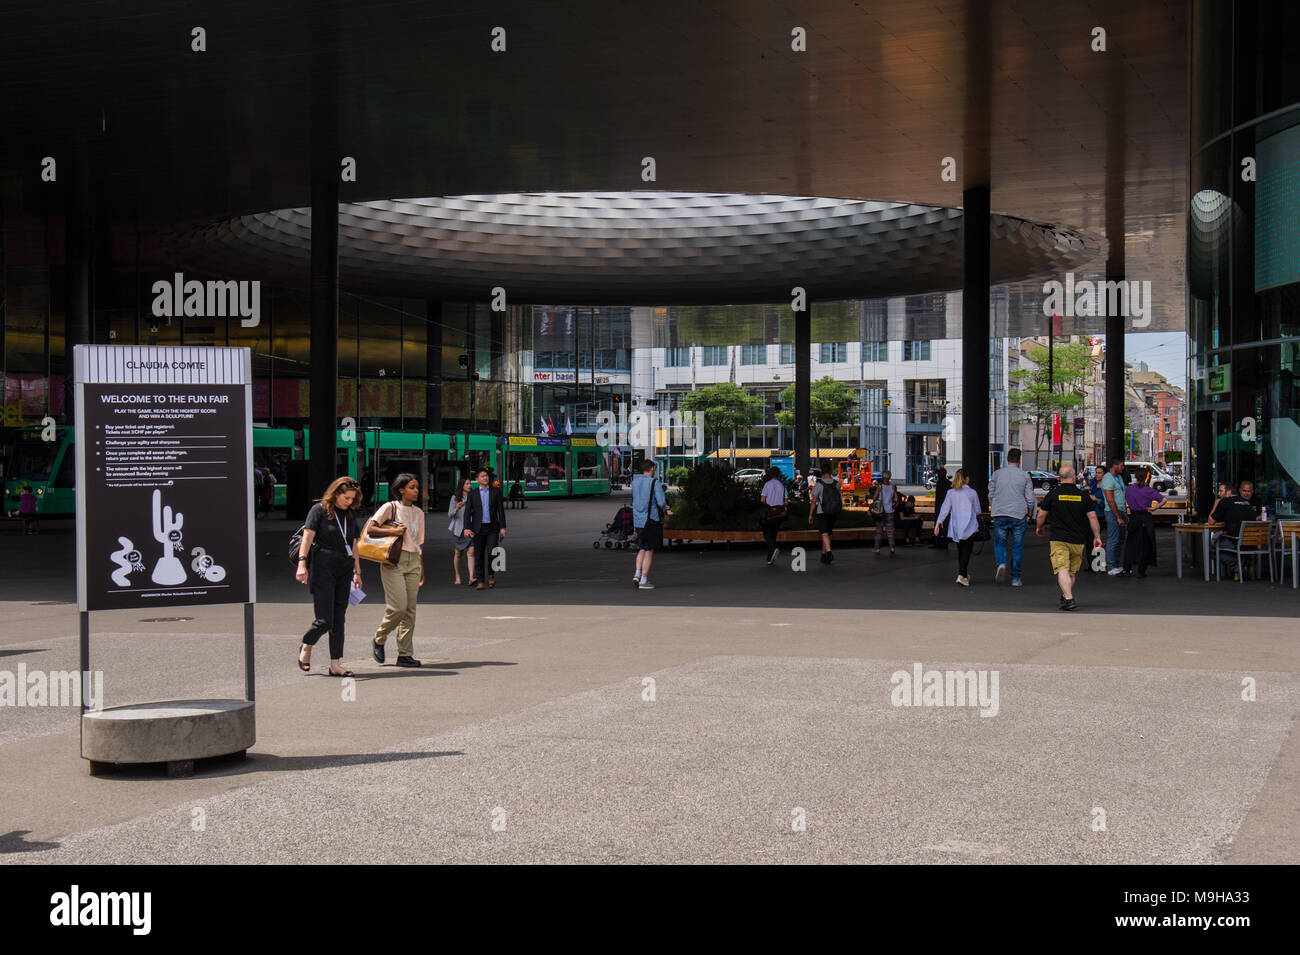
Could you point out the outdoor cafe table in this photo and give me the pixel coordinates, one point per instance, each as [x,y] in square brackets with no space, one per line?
[1205,530]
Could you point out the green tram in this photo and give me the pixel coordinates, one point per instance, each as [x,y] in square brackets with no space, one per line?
[560,466]
[371,455]
[49,467]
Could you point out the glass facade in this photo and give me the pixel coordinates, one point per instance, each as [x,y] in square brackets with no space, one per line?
[1243,251]
[403,364]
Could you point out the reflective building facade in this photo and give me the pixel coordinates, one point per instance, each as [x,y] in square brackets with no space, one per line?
[1243,255]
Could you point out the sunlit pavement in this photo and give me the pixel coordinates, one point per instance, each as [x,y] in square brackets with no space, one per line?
[737,712]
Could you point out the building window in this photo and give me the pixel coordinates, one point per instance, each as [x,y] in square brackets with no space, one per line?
[926,400]
[875,351]
[714,355]
[787,353]
[833,352]
[678,357]
[753,354]
[916,350]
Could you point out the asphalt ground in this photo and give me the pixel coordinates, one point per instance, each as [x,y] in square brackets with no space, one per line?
[564,716]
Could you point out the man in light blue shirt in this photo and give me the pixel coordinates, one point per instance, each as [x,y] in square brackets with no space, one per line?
[1112,489]
[1011,505]
[649,507]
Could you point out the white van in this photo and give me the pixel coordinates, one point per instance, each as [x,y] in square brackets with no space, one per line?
[1161,480]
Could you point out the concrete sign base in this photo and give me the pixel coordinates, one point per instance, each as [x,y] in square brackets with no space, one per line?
[175,732]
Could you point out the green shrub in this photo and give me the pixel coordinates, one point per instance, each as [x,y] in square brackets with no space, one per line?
[678,475]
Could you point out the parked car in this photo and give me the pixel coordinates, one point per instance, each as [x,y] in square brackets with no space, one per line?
[1161,480]
[750,475]
[1043,480]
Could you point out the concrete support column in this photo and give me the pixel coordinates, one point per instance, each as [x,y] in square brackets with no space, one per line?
[975,331]
[802,387]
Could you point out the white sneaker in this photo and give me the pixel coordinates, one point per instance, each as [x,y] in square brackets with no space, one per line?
[964,581]
[1114,572]
[1001,575]
[1016,583]
[646,585]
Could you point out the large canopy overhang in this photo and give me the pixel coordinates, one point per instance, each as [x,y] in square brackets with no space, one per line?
[1091,142]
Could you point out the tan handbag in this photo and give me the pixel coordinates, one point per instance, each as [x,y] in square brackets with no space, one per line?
[382,550]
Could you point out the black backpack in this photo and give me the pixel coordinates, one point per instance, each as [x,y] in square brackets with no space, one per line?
[831,498]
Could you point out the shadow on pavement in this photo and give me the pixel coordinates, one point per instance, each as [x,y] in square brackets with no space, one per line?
[13,841]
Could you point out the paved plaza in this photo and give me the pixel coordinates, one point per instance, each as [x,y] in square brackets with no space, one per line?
[736,713]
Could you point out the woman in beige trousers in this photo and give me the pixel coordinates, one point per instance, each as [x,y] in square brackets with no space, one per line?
[402,582]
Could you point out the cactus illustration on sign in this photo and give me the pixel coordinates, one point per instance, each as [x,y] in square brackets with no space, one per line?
[169,571]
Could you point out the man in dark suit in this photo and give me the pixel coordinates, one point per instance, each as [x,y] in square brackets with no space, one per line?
[485,521]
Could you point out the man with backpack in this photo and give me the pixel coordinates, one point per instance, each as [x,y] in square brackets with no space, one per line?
[824,500]
[649,507]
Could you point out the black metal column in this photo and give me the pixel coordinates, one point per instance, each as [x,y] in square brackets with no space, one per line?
[1114,380]
[975,331]
[433,373]
[78,243]
[324,283]
[1115,268]
[802,387]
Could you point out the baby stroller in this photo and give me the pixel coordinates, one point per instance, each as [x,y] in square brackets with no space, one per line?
[618,532]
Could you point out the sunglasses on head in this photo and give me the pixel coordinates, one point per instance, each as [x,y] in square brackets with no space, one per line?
[349,485]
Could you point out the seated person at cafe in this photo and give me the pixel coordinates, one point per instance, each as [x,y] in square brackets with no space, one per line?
[1232,511]
[907,520]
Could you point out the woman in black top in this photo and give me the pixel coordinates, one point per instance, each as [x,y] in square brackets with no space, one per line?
[335,567]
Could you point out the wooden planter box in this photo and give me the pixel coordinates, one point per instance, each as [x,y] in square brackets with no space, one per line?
[792,537]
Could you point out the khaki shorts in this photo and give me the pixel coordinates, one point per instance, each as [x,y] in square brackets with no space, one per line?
[1065,556]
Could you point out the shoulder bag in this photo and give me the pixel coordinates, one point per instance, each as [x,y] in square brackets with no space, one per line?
[382,550]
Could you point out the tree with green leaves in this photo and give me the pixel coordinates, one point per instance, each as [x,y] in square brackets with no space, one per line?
[1033,400]
[830,406]
[725,408]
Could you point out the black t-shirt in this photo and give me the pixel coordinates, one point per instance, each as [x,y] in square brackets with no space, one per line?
[1068,507]
[1234,510]
[327,530]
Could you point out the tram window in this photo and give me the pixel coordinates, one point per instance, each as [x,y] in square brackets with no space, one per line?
[67,476]
[586,464]
[32,461]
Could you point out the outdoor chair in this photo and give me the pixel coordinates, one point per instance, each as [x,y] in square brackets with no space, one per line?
[1282,545]
[1253,540]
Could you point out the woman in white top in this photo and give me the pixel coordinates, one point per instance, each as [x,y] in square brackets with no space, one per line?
[961,510]
[401,583]
[884,493]
[772,511]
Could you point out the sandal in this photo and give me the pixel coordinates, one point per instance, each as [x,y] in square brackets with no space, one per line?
[343,674]
[304,667]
